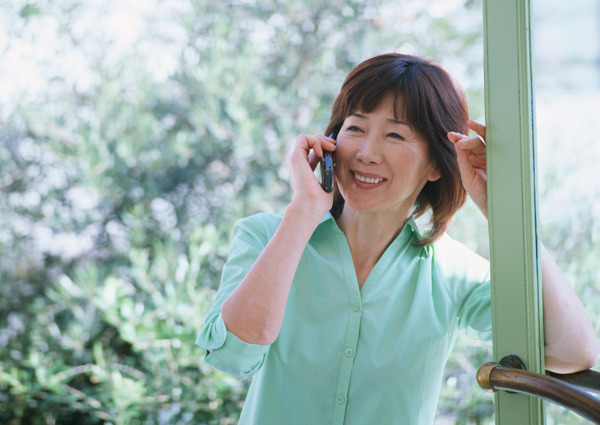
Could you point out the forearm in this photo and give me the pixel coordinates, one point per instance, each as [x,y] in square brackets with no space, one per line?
[571,342]
[254,311]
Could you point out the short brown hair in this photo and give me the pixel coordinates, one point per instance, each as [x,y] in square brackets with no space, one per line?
[431,102]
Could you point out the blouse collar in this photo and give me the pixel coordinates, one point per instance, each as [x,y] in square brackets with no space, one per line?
[409,228]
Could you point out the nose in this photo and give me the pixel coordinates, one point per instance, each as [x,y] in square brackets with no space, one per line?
[370,151]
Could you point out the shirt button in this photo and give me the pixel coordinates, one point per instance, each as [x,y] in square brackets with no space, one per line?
[340,399]
[355,307]
[348,352]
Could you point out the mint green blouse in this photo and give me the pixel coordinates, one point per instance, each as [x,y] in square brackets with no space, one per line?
[347,356]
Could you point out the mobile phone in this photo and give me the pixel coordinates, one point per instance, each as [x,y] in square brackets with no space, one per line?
[327,168]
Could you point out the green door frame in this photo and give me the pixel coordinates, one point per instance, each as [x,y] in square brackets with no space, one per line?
[512,200]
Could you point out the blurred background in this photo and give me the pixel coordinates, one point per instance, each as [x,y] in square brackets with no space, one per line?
[135,132]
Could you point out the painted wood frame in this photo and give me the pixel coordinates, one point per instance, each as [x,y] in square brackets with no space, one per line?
[512,199]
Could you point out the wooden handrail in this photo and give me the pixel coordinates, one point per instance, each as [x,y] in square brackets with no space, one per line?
[589,380]
[493,377]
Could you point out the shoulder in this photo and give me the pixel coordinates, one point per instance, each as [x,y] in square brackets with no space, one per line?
[268,223]
[261,221]
[449,250]
[457,262]
[256,229]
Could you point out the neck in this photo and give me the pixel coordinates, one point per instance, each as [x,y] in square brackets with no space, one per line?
[368,235]
[379,225]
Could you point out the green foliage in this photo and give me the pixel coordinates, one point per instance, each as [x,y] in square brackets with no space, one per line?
[124,161]
[462,401]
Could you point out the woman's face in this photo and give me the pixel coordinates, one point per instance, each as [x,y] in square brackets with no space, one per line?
[381,164]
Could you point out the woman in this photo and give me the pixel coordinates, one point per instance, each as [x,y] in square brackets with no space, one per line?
[348,316]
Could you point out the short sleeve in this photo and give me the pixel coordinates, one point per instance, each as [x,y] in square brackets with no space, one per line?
[467,277]
[225,351]
[475,315]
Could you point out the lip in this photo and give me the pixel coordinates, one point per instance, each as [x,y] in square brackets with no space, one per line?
[367,186]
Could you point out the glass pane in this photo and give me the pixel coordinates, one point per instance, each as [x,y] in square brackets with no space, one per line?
[567,64]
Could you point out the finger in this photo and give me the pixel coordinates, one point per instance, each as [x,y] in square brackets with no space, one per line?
[313,160]
[331,140]
[308,143]
[477,128]
[471,143]
[464,166]
[326,142]
[455,137]
[317,149]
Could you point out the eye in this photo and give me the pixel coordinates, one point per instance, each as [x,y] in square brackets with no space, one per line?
[395,136]
[353,128]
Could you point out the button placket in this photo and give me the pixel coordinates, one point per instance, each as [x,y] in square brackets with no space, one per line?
[347,362]
[348,350]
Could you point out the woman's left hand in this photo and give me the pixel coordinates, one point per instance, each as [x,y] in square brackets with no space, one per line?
[471,155]
[571,343]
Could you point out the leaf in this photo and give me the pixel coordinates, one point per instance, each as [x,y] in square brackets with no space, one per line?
[29,10]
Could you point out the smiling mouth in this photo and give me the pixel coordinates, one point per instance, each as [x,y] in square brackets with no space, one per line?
[368,179]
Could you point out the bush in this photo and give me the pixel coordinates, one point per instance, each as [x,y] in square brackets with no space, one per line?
[124,161]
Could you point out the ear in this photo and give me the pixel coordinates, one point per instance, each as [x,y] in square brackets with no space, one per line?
[433,174]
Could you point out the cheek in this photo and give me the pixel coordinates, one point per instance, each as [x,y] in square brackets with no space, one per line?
[342,159]
[341,154]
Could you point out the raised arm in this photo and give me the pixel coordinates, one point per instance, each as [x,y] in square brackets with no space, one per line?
[255,309]
[571,342]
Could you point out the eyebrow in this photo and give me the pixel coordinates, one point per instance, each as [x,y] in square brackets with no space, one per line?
[395,121]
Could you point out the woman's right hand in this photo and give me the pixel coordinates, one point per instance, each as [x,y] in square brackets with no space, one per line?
[254,311]
[308,193]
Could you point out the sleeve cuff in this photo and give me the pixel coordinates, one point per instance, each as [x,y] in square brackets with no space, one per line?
[228,353]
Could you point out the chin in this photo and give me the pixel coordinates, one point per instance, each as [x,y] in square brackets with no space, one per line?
[363,205]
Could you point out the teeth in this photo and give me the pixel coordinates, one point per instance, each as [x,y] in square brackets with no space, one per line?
[367,179]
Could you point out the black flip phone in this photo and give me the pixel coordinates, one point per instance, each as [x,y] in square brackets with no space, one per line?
[327,168]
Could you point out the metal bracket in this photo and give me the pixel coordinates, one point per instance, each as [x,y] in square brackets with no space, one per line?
[514,362]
